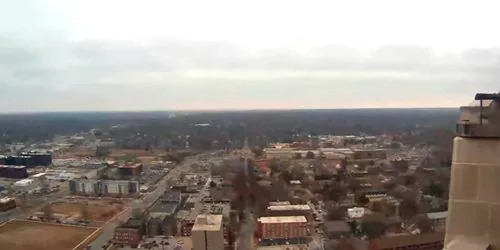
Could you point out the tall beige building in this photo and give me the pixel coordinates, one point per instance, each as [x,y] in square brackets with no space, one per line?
[474,205]
[207,233]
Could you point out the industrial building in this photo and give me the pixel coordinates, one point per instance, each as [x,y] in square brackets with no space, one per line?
[95,187]
[7,204]
[130,233]
[208,233]
[14,172]
[283,229]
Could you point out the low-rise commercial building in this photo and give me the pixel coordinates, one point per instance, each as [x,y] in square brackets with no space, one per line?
[208,233]
[26,185]
[438,220]
[7,204]
[282,229]
[130,233]
[14,172]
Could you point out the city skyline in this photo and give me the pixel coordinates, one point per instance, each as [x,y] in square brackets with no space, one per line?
[194,55]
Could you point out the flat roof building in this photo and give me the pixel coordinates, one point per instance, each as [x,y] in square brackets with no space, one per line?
[208,233]
[282,229]
[282,219]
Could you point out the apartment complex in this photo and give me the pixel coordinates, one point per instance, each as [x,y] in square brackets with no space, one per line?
[95,187]
[208,233]
[282,229]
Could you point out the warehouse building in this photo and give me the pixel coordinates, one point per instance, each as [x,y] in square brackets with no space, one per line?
[14,172]
[94,187]
[39,158]
[28,159]
[208,232]
[283,230]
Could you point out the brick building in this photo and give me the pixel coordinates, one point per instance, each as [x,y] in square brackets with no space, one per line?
[282,229]
[129,233]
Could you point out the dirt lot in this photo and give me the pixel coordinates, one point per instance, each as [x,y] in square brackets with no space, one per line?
[99,212]
[26,235]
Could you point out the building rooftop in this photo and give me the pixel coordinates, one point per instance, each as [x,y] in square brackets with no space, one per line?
[132,223]
[208,222]
[279,203]
[336,226]
[437,215]
[171,196]
[304,207]
[5,199]
[161,206]
[283,219]
[38,175]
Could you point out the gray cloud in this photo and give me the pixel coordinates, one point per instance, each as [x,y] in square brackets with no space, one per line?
[93,75]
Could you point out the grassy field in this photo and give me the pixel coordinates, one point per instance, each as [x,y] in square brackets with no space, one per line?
[27,235]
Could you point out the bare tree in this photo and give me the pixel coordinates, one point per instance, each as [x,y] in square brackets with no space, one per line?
[310,155]
[408,208]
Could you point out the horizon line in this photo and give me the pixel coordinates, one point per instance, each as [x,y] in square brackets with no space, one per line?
[215,110]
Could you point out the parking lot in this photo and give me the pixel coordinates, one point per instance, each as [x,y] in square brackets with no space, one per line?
[164,243]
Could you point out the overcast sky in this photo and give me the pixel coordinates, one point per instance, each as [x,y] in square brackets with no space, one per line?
[64,55]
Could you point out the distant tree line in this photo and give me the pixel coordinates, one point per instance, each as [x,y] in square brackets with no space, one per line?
[227,130]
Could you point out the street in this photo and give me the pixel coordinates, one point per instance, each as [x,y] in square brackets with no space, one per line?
[148,199]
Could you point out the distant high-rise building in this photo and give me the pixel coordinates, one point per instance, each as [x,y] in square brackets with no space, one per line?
[474,206]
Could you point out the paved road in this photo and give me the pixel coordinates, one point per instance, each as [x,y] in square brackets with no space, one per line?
[147,200]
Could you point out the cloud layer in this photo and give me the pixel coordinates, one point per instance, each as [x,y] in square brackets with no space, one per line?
[56,74]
